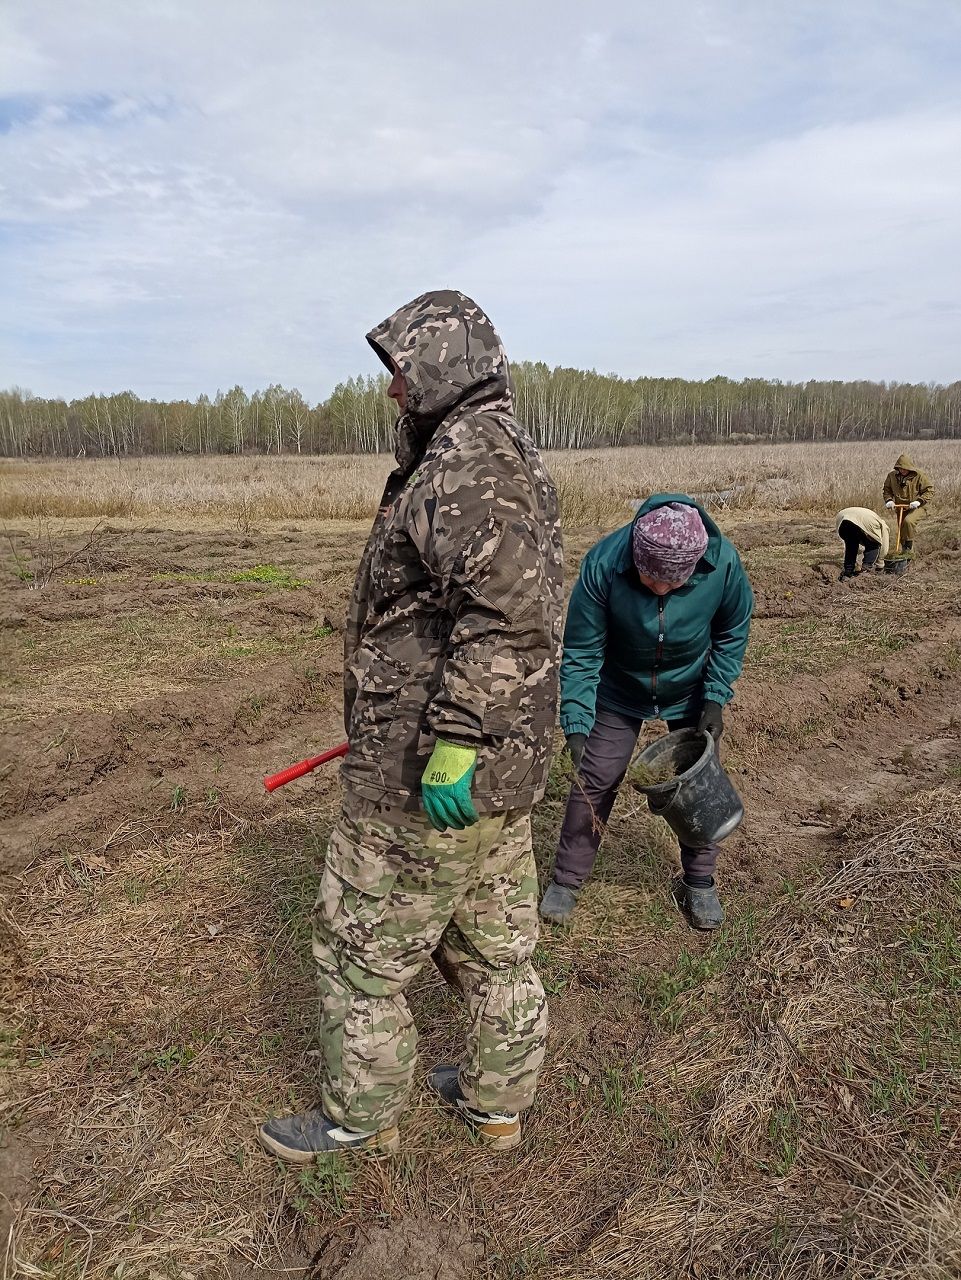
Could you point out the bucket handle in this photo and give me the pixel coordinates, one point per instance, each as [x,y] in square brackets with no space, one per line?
[660,809]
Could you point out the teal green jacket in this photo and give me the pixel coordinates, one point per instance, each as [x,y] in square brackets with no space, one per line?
[628,650]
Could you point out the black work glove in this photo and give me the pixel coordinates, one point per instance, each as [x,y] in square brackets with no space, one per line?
[712,720]
[575,748]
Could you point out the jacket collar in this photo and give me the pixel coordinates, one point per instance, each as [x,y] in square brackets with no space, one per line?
[416,432]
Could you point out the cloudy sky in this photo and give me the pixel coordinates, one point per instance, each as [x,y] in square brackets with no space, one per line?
[194,195]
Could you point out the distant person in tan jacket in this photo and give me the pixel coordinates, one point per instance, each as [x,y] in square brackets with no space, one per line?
[860,527]
[908,487]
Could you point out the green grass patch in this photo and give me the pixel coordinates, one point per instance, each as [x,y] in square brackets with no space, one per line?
[555,973]
[138,888]
[662,993]
[174,1057]
[916,1050]
[194,575]
[783,1135]
[815,645]
[9,1047]
[324,1186]
[621,1085]
[269,575]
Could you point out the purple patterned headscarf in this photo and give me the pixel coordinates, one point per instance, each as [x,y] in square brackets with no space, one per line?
[669,541]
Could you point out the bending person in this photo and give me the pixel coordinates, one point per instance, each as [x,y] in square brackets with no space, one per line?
[909,488]
[860,527]
[656,630]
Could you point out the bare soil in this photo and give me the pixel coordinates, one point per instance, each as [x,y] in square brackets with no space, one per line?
[155,931]
[412,1247]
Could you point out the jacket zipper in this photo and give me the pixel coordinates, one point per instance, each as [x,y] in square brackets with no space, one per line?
[658,655]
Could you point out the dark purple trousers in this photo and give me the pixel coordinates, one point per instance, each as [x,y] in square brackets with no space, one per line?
[607,754]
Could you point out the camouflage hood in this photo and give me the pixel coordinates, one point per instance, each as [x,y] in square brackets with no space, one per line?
[448,351]
[904,463]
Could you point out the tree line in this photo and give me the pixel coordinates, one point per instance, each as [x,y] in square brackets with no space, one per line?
[563,408]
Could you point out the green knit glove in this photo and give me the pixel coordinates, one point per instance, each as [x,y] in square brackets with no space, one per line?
[445,787]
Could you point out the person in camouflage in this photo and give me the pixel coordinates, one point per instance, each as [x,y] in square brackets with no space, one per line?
[452,649]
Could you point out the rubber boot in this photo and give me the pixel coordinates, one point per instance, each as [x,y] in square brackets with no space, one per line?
[701,906]
[558,902]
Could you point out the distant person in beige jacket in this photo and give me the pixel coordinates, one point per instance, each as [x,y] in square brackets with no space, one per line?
[911,490]
[860,527]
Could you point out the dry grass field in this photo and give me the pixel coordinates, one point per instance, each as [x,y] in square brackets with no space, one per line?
[782,1099]
[596,486]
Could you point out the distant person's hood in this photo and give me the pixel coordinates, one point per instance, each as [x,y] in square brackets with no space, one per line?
[904,463]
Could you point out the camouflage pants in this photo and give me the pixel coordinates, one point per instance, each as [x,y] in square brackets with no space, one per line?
[393,894]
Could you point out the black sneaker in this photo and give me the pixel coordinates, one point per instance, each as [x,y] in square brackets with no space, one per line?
[298,1139]
[498,1129]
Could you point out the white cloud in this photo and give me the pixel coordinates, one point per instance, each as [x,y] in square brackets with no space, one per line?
[200,195]
[829,255]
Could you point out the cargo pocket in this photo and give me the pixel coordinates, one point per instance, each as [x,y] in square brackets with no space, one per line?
[380,682]
[354,898]
[505,695]
[509,728]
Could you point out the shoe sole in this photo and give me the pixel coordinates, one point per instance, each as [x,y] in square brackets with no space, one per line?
[498,1142]
[388,1140]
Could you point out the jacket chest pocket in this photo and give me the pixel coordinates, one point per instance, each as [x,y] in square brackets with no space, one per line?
[380,682]
[395,566]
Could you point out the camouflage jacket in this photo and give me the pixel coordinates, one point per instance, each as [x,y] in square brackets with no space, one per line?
[455,621]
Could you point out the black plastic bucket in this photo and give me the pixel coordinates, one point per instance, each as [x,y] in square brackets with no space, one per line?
[898,566]
[697,800]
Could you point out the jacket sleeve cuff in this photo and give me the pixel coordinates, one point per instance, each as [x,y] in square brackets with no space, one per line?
[456,739]
[458,735]
[575,726]
[718,693]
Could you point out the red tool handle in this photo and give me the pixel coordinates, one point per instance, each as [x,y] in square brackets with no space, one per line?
[306,766]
